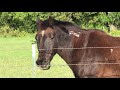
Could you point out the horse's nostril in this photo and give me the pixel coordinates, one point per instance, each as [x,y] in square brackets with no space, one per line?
[37,62]
[45,61]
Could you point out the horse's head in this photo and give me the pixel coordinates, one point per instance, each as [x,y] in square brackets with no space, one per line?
[45,38]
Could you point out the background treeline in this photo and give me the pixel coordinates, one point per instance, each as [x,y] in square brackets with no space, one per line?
[17,22]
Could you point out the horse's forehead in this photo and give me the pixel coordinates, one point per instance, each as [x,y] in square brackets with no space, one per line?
[49,29]
[46,31]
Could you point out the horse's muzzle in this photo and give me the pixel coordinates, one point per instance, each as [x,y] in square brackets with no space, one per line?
[44,65]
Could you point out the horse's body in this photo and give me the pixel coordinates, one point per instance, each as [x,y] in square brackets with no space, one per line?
[83,60]
[89,56]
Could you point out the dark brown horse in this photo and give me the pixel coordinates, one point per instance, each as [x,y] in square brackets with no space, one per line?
[89,53]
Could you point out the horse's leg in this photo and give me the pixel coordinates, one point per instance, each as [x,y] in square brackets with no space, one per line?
[76,75]
[89,76]
[92,76]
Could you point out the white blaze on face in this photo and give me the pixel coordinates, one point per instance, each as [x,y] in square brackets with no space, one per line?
[43,32]
[111,50]
[73,33]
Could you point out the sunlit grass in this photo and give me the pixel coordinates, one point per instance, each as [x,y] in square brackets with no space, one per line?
[16,61]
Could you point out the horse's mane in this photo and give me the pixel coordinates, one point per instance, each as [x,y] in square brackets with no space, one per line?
[63,25]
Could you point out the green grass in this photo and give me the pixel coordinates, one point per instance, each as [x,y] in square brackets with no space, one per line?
[16,61]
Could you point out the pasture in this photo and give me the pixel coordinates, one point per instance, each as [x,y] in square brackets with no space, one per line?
[16,61]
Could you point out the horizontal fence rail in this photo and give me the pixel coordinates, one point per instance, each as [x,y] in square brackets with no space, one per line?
[86,48]
[81,64]
[4,66]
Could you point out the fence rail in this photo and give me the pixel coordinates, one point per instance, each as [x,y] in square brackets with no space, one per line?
[87,48]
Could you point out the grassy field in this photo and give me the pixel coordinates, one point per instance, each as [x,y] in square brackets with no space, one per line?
[16,61]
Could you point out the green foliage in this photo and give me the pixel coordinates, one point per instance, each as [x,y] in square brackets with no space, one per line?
[26,21]
[6,31]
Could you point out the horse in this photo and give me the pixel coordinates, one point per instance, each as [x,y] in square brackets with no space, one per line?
[89,53]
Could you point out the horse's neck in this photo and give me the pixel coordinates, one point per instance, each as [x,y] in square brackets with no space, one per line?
[68,53]
[65,51]
[66,48]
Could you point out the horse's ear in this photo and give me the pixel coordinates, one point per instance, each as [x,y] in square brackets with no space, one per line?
[38,23]
[51,21]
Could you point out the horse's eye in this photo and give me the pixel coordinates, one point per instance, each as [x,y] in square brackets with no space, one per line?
[52,36]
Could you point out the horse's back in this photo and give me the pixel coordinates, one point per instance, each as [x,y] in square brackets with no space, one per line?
[108,55]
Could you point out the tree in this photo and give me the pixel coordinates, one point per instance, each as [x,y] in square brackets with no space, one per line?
[26,21]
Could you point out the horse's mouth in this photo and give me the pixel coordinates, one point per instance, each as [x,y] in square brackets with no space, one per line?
[44,67]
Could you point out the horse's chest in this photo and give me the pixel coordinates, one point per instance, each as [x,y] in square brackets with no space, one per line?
[87,70]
